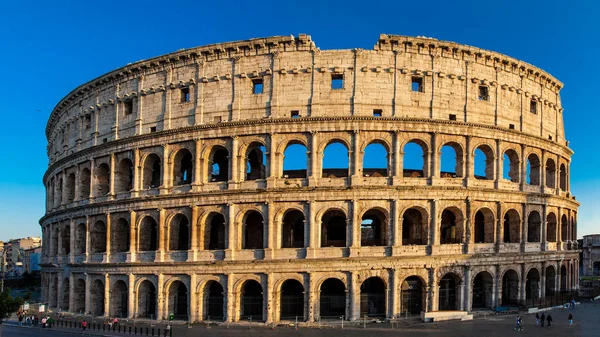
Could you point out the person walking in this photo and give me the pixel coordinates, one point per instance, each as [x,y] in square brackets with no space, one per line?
[570,319]
[549,319]
[543,318]
[537,319]
[84,325]
[44,322]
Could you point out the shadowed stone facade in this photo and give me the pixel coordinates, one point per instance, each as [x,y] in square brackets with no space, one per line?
[168,192]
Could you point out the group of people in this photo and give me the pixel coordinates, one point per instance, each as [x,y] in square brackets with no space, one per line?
[539,320]
[26,319]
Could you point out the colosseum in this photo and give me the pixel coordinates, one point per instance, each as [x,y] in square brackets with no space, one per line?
[235,181]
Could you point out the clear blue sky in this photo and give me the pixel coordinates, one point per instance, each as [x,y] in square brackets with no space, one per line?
[47,48]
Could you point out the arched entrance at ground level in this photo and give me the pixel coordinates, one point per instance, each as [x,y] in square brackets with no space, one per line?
[412,295]
[563,279]
[178,300]
[97,297]
[483,289]
[79,297]
[118,299]
[332,303]
[252,301]
[372,297]
[550,281]
[65,299]
[213,301]
[532,288]
[449,294]
[146,300]
[291,305]
[510,288]
[596,269]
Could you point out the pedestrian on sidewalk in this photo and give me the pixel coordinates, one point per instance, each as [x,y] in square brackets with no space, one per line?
[549,319]
[543,318]
[570,319]
[537,319]
[84,325]
[573,303]
[44,322]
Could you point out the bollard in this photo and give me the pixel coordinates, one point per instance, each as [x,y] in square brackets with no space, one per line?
[130,329]
[296,323]
[147,330]
[135,332]
[342,322]
[153,331]
[365,322]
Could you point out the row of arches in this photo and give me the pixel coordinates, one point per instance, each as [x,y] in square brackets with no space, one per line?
[335,229]
[376,160]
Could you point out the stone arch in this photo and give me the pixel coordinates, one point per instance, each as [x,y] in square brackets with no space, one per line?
[146,299]
[564,228]
[451,156]
[66,287]
[510,287]
[533,169]
[124,176]
[79,296]
[179,232]
[512,227]
[532,285]
[375,227]
[331,163]
[483,290]
[483,226]
[65,238]
[177,295]
[291,299]
[563,279]
[256,161]
[80,238]
[84,182]
[415,226]
[292,229]
[483,162]
[101,180]
[151,171]
[183,167]
[373,297]
[148,234]
[214,231]
[334,228]
[534,226]
[550,280]
[70,192]
[372,165]
[252,230]
[449,292]
[550,173]
[411,161]
[413,295]
[563,177]
[120,236]
[451,226]
[295,159]
[511,166]
[332,298]
[214,301]
[97,298]
[551,227]
[119,299]
[251,300]
[98,237]
[218,164]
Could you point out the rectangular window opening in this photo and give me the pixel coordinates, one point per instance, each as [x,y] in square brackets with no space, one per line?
[337,81]
[257,86]
[511,126]
[185,95]
[377,112]
[153,129]
[417,84]
[484,93]
[452,117]
[549,137]
[533,107]
[128,106]
[87,123]
[104,140]
[295,114]
[217,119]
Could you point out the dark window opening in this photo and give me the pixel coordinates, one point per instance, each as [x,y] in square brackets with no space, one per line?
[252,301]
[417,84]
[104,140]
[152,129]
[333,229]
[128,106]
[256,162]
[533,107]
[511,126]
[337,81]
[549,137]
[372,298]
[219,167]
[292,300]
[292,234]
[253,231]
[214,233]
[484,93]
[87,122]
[257,86]
[185,95]
[414,228]
[452,117]
[373,229]
[295,114]
[183,168]
[377,112]
[332,301]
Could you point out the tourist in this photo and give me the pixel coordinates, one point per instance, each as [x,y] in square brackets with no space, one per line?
[84,325]
[543,318]
[549,319]
[537,319]
[570,319]
[44,320]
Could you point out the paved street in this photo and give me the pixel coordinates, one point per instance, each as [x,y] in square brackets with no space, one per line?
[586,324]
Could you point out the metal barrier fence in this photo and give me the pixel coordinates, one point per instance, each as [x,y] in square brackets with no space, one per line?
[116,327]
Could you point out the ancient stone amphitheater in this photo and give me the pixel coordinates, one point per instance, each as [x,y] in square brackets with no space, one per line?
[236,181]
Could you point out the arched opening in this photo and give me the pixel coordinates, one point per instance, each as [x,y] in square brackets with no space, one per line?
[563,279]
[101,180]
[564,228]
[550,281]
[214,232]
[372,298]
[510,166]
[596,268]
[563,177]
[449,296]
[484,162]
[510,288]
[183,168]
[124,176]
[118,299]
[59,191]
[79,297]
[451,229]
[452,162]
[98,237]
[332,301]
[533,169]
[148,235]
[335,160]
[415,160]
[253,231]
[84,182]
[120,237]
[374,228]
[65,234]
[97,298]
[550,173]
[146,300]
[178,300]
[483,290]
[80,239]
[295,161]
[55,238]
[512,227]
[292,230]
[219,164]
[532,288]
[375,160]
[70,192]
[551,227]
[252,301]
[256,162]
[179,233]
[291,302]
[534,225]
[414,227]
[333,229]
[412,295]
[53,292]
[213,301]
[65,294]
[152,171]
[484,226]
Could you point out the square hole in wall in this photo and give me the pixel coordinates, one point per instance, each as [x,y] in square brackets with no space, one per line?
[337,81]
[417,84]
[511,126]
[184,95]
[216,119]
[483,93]
[87,122]
[549,137]
[377,112]
[295,114]
[128,107]
[153,129]
[533,107]
[104,140]
[452,117]
[257,86]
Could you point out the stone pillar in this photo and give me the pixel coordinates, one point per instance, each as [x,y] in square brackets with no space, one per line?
[88,301]
[132,236]
[497,293]
[543,281]
[434,224]
[92,187]
[72,241]
[354,229]
[544,226]
[88,240]
[354,155]
[230,232]
[522,285]
[314,158]
[162,235]
[230,300]
[499,161]
[396,230]
[469,167]
[198,167]
[466,295]
[166,165]
[313,298]
[108,237]
[312,232]
[72,281]
[525,215]
[106,295]
[434,158]
[269,309]
[131,297]
[161,303]
[193,305]
[354,297]
[76,190]
[272,156]
[111,176]
[543,172]
[137,176]
[397,159]
[269,231]
[234,169]
[433,291]
[59,292]
[192,253]
[394,294]
[523,181]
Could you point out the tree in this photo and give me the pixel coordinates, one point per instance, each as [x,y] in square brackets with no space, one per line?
[8,305]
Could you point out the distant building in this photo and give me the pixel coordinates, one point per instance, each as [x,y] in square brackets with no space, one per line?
[31,260]
[14,254]
[591,255]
